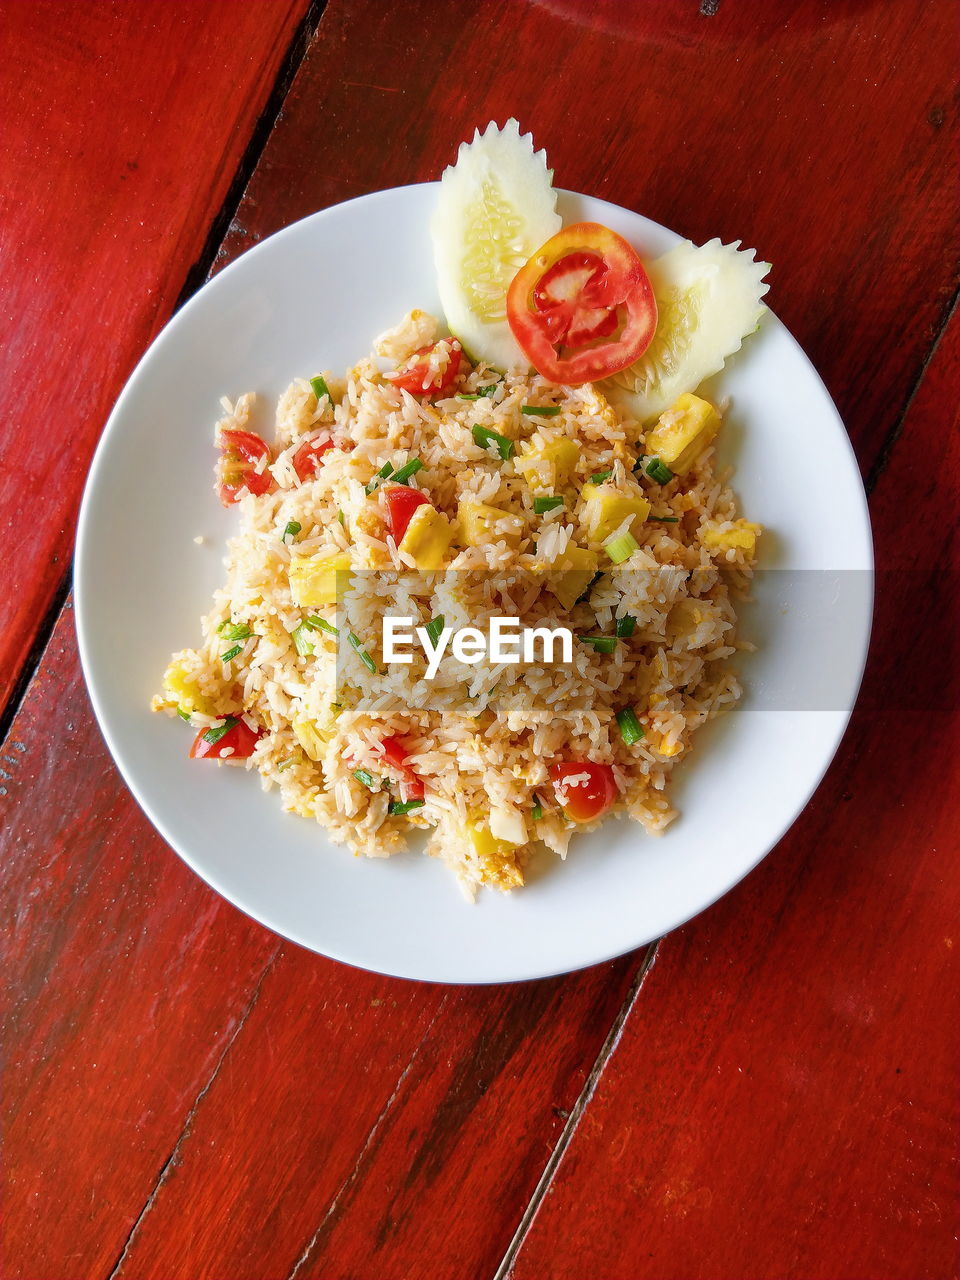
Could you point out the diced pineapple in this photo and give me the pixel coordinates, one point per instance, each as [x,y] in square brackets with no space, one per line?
[183,692]
[683,432]
[605,509]
[740,536]
[572,574]
[314,580]
[560,453]
[311,736]
[497,857]
[477,524]
[427,538]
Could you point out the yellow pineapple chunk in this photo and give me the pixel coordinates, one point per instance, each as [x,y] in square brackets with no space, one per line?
[741,536]
[561,454]
[572,574]
[605,509]
[478,524]
[314,579]
[497,857]
[683,432]
[311,736]
[183,692]
[427,538]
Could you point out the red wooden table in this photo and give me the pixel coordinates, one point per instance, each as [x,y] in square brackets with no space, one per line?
[771,1091]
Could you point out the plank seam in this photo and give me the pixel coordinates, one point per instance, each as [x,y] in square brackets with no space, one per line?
[354,1173]
[185,1131]
[607,1050]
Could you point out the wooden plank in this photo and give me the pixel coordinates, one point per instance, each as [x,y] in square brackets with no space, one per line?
[392,1150]
[783,1102]
[124,124]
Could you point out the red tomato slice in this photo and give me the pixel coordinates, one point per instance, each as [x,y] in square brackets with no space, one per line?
[583,307]
[584,791]
[395,755]
[402,502]
[431,371]
[238,735]
[306,461]
[240,452]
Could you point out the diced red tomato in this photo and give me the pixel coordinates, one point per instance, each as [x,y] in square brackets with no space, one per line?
[395,755]
[240,452]
[583,307]
[584,790]
[401,502]
[239,736]
[306,461]
[431,371]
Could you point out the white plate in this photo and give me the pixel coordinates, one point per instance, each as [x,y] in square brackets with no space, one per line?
[313,296]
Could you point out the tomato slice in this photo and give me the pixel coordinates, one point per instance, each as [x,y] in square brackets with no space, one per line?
[431,371]
[395,755]
[306,461]
[237,738]
[402,502]
[584,790]
[583,307]
[240,452]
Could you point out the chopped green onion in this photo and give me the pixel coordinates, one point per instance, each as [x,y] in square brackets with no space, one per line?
[540,505]
[540,410]
[585,594]
[231,653]
[292,529]
[658,471]
[404,806]
[537,809]
[235,630]
[626,625]
[301,641]
[320,388]
[481,393]
[285,764]
[622,548]
[385,470]
[407,470]
[362,654]
[214,735]
[320,624]
[341,517]
[598,477]
[184,715]
[602,644]
[638,465]
[434,628]
[631,730]
[367,779]
[665,519]
[485,437]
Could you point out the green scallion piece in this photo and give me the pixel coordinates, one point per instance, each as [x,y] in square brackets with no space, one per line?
[407,470]
[285,764]
[320,624]
[385,470]
[404,806]
[292,529]
[320,388]
[658,471]
[665,519]
[231,653]
[433,629]
[598,477]
[602,644]
[214,735]
[301,640]
[626,625]
[631,730]
[184,715]
[540,410]
[622,548]
[537,813]
[235,631]
[541,505]
[367,779]
[485,437]
[341,517]
[638,465]
[481,393]
[585,595]
[362,654]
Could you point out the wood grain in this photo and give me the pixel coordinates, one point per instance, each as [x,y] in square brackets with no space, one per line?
[124,124]
[783,1103]
[270,1115]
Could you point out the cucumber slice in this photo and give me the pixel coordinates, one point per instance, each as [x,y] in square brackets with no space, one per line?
[708,300]
[496,208]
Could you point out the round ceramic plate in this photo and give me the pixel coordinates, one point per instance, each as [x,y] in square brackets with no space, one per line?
[314,296]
